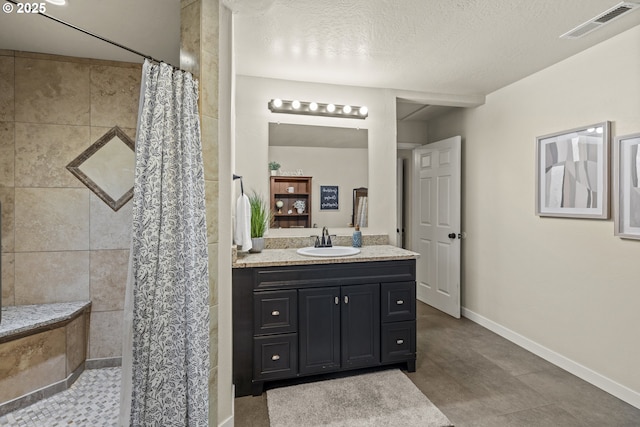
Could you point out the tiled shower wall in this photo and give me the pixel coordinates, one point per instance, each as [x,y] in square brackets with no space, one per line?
[60,242]
[199,45]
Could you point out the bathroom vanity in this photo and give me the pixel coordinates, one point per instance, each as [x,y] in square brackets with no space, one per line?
[297,316]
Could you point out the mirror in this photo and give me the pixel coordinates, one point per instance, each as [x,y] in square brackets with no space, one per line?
[337,160]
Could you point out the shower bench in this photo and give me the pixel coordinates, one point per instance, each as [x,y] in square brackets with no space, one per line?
[42,351]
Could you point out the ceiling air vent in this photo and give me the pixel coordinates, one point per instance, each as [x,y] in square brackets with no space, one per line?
[604,18]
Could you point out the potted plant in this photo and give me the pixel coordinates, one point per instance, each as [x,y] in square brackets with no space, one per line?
[299,205]
[260,218]
[274,167]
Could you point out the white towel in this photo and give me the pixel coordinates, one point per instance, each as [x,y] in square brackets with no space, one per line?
[243,223]
[363,212]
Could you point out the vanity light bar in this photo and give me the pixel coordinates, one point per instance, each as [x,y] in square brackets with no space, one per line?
[318,109]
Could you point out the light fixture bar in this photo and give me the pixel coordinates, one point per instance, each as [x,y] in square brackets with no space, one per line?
[318,109]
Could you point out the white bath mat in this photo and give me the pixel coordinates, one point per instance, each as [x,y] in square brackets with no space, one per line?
[385,398]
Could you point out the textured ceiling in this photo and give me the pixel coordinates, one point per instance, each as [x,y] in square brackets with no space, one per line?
[463,47]
[444,46]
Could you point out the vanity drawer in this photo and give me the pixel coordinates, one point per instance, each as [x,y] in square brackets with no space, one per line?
[275,356]
[398,301]
[275,312]
[398,341]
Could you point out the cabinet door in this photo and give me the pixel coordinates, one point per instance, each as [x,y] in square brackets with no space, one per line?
[360,325]
[319,330]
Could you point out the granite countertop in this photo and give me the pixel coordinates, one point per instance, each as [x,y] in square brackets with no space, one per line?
[18,319]
[280,257]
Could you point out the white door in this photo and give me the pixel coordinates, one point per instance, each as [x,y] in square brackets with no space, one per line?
[436,223]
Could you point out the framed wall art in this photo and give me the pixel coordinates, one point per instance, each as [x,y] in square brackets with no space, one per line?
[626,186]
[572,170]
[329,198]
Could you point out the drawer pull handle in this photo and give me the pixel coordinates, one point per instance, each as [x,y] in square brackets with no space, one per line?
[275,313]
[399,342]
[399,302]
[275,357]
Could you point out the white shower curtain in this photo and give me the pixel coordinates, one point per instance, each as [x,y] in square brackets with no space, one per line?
[165,371]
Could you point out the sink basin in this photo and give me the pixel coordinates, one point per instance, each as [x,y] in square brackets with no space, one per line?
[335,251]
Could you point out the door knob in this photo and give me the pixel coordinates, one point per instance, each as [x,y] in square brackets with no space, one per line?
[452,235]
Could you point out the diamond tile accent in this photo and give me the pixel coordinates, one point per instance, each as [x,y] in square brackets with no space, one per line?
[107,168]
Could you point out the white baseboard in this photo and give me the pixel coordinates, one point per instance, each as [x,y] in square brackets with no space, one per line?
[229,421]
[618,390]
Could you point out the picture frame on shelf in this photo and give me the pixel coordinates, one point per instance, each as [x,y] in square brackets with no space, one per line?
[572,172]
[329,200]
[626,186]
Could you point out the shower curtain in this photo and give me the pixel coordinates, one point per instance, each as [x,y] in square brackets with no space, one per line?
[165,371]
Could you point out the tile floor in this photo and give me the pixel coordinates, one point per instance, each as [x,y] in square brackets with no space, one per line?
[475,377]
[479,379]
[92,401]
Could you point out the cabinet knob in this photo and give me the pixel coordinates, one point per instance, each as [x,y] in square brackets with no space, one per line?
[275,357]
[337,300]
[399,342]
[400,302]
[275,313]
[346,299]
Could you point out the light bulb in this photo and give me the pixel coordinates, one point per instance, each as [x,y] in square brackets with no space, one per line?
[363,111]
[295,104]
[331,108]
[346,109]
[591,130]
[599,130]
[313,106]
[277,102]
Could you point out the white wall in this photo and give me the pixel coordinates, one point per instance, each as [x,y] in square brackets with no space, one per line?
[412,132]
[252,133]
[569,285]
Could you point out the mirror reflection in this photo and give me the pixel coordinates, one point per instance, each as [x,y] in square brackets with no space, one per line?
[336,160]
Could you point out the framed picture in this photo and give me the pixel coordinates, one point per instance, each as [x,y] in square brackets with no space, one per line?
[626,186]
[329,198]
[572,173]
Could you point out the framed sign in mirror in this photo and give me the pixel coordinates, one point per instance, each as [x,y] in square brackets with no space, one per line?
[572,170]
[626,186]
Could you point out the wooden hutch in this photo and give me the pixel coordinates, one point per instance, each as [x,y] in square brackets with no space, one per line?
[288,189]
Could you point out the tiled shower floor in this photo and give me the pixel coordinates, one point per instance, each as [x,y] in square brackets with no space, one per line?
[92,401]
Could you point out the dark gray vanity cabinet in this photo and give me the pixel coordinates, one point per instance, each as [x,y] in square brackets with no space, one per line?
[295,321]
